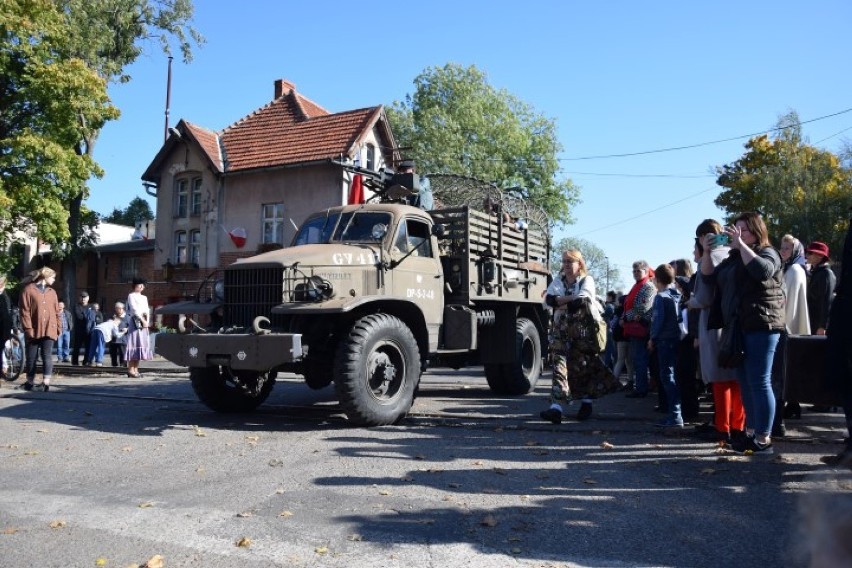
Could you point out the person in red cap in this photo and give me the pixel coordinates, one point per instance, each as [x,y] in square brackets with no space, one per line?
[820,286]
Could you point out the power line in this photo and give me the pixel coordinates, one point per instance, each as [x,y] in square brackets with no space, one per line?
[833,135]
[660,208]
[683,176]
[699,145]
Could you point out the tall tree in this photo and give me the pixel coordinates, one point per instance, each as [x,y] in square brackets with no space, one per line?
[455,122]
[137,210]
[49,101]
[607,276]
[800,189]
[109,35]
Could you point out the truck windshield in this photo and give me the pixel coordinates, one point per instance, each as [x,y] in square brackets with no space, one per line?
[341,228]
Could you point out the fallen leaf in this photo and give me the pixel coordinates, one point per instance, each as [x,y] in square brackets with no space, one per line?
[31,453]
[88,413]
[420,457]
[321,550]
[199,469]
[245,514]
[276,463]
[146,505]
[590,481]
[454,485]
[198,432]
[244,542]
[477,462]
[407,478]
[57,524]
[156,561]
[285,514]
[10,530]
[43,431]
[606,445]
[127,449]
[101,562]
[488,521]
[279,491]
[532,443]
[708,471]
[384,492]
[252,439]
[355,537]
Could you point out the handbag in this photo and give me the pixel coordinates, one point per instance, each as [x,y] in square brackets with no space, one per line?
[731,345]
[600,335]
[636,329]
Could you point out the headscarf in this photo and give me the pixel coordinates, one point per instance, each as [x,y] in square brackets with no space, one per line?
[797,256]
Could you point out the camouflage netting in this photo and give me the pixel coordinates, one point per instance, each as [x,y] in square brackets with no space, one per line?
[451,190]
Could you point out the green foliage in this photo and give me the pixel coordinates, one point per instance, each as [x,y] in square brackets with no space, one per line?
[48,102]
[800,189]
[137,210]
[604,273]
[457,123]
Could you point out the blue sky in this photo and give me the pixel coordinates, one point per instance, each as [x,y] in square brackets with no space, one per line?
[617,77]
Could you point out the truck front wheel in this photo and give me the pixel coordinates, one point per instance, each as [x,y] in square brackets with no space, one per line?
[521,375]
[376,370]
[222,390]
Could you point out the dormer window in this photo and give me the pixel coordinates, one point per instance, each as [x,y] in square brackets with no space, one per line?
[371,157]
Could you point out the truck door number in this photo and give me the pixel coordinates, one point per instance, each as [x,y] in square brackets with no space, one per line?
[420,293]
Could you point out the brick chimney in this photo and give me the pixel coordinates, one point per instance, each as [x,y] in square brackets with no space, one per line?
[283,87]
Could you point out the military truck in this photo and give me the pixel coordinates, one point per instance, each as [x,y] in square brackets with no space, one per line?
[367,297]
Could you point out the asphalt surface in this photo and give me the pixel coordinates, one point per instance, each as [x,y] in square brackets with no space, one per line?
[105,470]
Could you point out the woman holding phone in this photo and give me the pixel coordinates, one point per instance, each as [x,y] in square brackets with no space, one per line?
[749,283]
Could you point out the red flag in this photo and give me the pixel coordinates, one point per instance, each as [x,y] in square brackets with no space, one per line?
[356,191]
[238,235]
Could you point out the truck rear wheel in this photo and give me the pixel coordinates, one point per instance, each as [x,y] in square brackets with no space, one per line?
[520,376]
[217,388]
[376,370]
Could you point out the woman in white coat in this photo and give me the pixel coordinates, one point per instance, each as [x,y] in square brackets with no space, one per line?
[796,312]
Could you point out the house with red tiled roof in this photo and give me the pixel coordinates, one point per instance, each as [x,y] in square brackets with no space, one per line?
[226,194]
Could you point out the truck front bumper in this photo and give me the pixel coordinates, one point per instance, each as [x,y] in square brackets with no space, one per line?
[239,351]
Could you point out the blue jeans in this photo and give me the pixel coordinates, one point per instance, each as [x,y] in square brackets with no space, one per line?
[639,353]
[755,377]
[63,345]
[667,355]
[97,347]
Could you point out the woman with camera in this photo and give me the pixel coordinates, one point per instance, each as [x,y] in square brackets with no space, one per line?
[138,341]
[751,303]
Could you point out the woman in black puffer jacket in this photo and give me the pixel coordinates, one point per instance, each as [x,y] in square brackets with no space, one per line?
[748,283]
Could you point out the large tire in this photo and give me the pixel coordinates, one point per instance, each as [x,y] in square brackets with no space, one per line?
[318,373]
[376,370]
[216,389]
[520,376]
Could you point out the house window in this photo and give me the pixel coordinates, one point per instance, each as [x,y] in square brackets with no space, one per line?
[371,157]
[180,247]
[195,247]
[195,197]
[273,223]
[181,197]
[129,268]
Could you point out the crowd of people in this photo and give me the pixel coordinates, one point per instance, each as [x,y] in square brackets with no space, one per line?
[720,329]
[47,325]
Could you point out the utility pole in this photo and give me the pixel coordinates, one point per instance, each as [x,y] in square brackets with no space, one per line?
[168,99]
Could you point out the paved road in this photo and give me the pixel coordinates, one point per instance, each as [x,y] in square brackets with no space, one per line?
[127,469]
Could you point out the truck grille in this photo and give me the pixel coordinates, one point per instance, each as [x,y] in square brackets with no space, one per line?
[251,292]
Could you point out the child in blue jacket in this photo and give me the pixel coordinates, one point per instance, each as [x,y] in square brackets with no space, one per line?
[665,335]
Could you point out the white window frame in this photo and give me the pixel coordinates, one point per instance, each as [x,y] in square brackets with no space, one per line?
[195,197]
[195,246]
[272,223]
[181,197]
[180,247]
